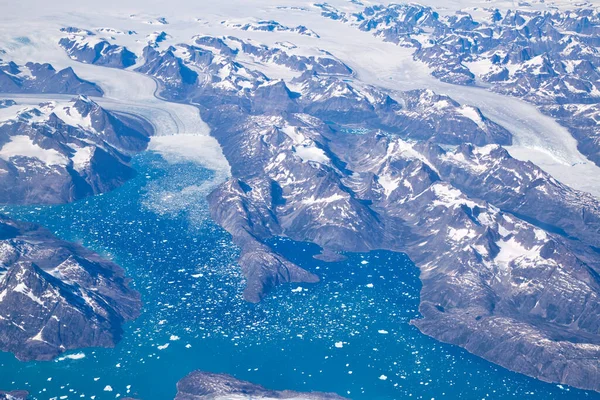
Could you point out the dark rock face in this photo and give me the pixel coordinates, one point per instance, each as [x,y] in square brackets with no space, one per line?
[43,78]
[57,296]
[60,152]
[205,385]
[14,395]
[271,26]
[87,47]
[430,116]
[7,103]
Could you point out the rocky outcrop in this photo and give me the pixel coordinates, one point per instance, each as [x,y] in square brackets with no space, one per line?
[581,121]
[281,55]
[87,47]
[57,296]
[205,385]
[7,103]
[14,395]
[270,26]
[489,173]
[43,78]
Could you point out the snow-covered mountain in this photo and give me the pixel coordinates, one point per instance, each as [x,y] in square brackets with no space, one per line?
[57,296]
[58,152]
[87,47]
[43,78]
[549,58]
[270,26]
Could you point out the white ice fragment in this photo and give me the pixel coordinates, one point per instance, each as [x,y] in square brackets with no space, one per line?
[76,356]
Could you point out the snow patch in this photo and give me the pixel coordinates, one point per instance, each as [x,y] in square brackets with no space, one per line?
[311,153]
[473,114]
[23,146]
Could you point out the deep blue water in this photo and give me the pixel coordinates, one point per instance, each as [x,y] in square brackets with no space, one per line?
[157,228]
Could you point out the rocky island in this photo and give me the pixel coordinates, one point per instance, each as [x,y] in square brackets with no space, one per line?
[200,385]
[57,296]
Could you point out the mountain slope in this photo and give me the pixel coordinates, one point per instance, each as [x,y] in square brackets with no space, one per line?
[63,151]
[57,296]
[43,78]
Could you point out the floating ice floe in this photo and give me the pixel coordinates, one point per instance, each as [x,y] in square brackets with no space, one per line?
[76,356]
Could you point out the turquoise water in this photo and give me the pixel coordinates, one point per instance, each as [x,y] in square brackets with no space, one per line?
[345,334]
